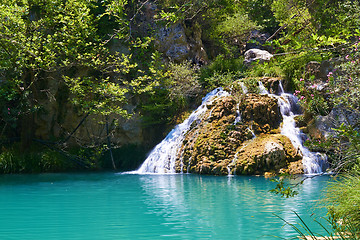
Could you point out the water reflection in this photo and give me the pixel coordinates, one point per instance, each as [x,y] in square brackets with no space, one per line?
[219,207]
[126,206]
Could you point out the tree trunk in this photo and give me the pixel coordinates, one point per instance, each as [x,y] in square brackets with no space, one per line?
[109,143]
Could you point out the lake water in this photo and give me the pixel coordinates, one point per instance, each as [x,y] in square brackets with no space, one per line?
[125,206]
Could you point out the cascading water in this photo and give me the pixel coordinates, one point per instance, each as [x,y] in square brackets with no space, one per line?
[262,89]
[238,114]
[162,157]
[313,162]
[243,88]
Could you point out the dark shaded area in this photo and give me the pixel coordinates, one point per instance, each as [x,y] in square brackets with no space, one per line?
[127,158]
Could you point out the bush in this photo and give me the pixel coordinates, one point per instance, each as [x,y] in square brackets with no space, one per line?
[219,79]
[179,86]
[35,161]
[266,69]
[222,72]
[343,202]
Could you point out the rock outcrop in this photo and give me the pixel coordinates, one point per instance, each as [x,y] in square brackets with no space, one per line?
[224,143]
[267,153]
[256,56]
[178,42]
[338,115]
[261,111]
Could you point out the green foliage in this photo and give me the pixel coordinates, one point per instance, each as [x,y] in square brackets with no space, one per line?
[230,35]
[260,12]
[343,92]
[220,80]
[222,72]
[222,64]
[236,26]
[339,19]
[283,187]
[266,69]
[97,96]
[183,81]
[49,43]
[343,201]
[10,103]
[178,86]
[208,14]
[35,161]
[207,11]
[290,67]
[345,80]
[305,232]
[348,148]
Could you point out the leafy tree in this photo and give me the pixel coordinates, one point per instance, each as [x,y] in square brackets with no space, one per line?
[63,51]
[41,39]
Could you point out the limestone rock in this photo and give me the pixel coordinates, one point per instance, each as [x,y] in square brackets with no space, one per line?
[262,110]
[172,41]
[267,153]
[218,145]
[256,55]
[335,118]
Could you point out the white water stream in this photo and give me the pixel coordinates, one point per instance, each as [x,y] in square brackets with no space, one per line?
[162,157]
[313,162]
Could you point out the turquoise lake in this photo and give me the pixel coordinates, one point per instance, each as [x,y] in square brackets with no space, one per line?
[127,206]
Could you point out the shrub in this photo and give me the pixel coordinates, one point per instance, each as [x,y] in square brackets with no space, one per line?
[343,202]
[35,161]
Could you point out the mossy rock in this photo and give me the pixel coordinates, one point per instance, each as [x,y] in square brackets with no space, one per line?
[266,153]
[217,146]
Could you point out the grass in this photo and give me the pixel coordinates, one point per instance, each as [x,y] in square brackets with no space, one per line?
[336,232]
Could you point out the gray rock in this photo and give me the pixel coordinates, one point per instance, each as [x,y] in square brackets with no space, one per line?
[273,153]
[338,115]
[257,40]
[256,55]
[318,70]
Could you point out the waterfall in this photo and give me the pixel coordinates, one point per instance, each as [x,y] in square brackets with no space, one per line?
[238,115]
[162,157]
[262,89]
[313,162]
[243,88]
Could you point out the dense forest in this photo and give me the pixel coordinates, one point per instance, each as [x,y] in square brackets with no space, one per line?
[92,84]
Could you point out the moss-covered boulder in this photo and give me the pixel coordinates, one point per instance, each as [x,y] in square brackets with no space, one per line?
[266,153]
[218,144]
[261,111]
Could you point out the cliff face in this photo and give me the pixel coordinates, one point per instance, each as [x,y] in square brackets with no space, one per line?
[177,42]
[59,118]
